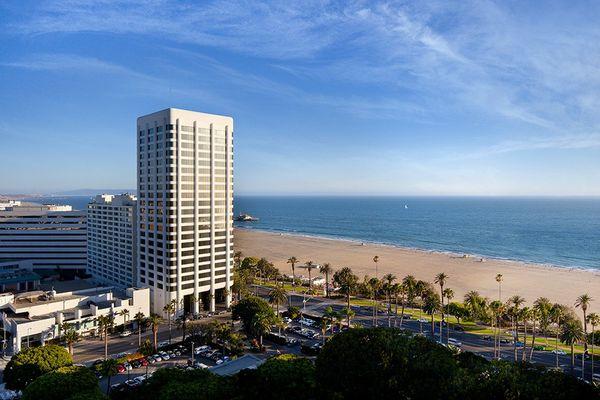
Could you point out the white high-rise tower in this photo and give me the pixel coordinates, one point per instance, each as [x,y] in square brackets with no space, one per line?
[185,208]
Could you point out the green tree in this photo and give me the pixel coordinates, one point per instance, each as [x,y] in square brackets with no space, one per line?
[431,305]
[109,369]
[63,383]
[247,308]
[347,282]
[140,320]
[71,337]
[125,314]
[155,321]
[105,323]
[261,325]
[326,270]
[293,261]
[388,287]
[30,363]
[570,334]
[169,309]
[277,296]
[146,348]
[594,320]
[441,279]
[583,302]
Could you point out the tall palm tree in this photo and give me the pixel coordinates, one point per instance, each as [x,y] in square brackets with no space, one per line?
[155,321]
[571,333]
[542,307]
[124,313]
[376,261]
[410,282]
[169,309]
[277,296]
[499,279]
[594,320]
[431,304]
[109,369]
[495,307]
[440,279]
[139,319]
[516,302]
[293,261]
[349,314]
[330,316]
[583,302]
[557,315]
[323,326]
[326,270]
[449,295]
[346,281]
[388,286]
[370,288]
[105,322]
[525,315]
[310,266]
[237,258]
[261,325]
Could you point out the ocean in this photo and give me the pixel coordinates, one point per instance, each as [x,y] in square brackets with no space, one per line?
[562,232]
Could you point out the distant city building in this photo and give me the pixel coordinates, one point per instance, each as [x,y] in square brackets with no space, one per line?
[32,318]
[9,204]
[48,239]
[112,241]
[185,210]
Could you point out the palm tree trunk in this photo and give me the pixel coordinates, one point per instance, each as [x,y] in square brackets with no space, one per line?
[515,337]
[402,314]
[139,334]
[396,310]
[556,345]
[593,337]
[532,341]
[108,384]
[524,355]
[348,316]
[572,358]
[389,308]
[432,327]
[327,285]
[105,344]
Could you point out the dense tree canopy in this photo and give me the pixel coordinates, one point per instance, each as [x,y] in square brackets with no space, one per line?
[28,364]
[248,308]
[64,383]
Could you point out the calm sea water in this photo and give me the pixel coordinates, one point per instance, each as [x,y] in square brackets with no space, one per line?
[555,231]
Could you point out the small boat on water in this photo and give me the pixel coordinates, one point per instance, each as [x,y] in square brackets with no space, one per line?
[245,218]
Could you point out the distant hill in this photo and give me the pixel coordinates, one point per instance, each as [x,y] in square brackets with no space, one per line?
[92,192]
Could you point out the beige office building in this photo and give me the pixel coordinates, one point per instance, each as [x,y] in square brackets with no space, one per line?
[185,208]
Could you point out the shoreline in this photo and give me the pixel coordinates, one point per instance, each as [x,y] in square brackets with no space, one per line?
[595,271]
[530,280]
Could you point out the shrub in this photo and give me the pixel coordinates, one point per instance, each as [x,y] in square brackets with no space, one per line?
[28,364]
[247,308]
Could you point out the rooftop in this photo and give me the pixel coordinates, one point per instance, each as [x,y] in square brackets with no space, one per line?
[247,361]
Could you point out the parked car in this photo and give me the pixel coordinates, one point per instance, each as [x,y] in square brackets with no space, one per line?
[454,342]
[487,337]
[125,333]
[157,358]
[136,364]
[117,387]
[121,368]
[131,383]
[559,351]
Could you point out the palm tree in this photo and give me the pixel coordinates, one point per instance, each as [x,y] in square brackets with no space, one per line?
[323,326]
[277,296]
[71,337]
[440,279]
[557,315]
[346,281]
[330,315]
[293,261]
[410,283]
[449,295]
[594,320]
[124,313]
[499,279]
[261,325]
[514,310]
[431,304]
[376,261]
[388,286]
[139,319]
[369,290]
[169,309]
[571,333]
[310,266]
[542,307]
[155,321]
[348,313]
[583,302]
[495,308]
[109,369]
[525,315]
[105,322]
[326,270]
[397,291]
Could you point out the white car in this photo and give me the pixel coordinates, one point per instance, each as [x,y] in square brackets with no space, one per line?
[423,320]
[454,342]
[125,334]
[561,352]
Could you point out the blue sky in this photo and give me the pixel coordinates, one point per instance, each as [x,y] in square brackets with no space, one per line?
[409,98]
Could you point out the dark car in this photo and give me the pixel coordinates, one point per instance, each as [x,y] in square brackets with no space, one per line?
[459,328]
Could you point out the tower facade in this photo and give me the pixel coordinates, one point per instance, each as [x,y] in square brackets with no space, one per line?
[185,209]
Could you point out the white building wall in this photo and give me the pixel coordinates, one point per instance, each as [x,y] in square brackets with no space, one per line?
[185,211]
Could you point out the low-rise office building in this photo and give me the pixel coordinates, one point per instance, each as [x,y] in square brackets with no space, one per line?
[32,318]
[47,239]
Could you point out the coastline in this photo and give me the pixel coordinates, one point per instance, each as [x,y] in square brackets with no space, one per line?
[530,280]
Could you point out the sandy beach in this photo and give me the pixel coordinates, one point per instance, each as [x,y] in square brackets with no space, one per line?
[530,281]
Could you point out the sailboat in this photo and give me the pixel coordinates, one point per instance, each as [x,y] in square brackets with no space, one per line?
[406,207]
